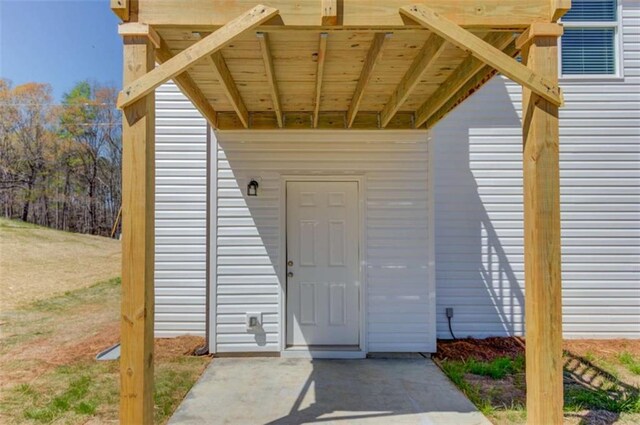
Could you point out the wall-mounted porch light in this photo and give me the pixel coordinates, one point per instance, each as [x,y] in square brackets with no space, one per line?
[252,188]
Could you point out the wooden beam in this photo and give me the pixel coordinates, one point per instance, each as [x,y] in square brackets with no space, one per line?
[138,171]
[140,30]
[188,87]
[375,14]
[185,59]
[539,29]
[431,51]
[329,12]
[463,73]
[322,52]
[485,52]
[326,120]
[543,297]
[271,75]
[373,57]
[559,8]
[228,84]
[471,86]
[121,8]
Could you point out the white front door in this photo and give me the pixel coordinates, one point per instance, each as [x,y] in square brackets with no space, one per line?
[322,264]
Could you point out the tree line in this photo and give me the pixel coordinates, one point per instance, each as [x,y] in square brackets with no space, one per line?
[60,164]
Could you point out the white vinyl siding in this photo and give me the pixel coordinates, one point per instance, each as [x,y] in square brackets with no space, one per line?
[478,230]
[394,166]
[181,226]
[478,198]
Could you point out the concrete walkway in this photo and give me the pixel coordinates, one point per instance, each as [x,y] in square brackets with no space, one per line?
[251,391]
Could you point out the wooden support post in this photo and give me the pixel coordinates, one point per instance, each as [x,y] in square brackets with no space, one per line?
[543,287]
[138,156]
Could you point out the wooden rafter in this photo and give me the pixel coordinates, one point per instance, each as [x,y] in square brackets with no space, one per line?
[271,75]
[188,87]
[185,59]
[322,52]
[329,12]
[482,76]
[373,57]
[463,73]
[484,51]
[432,49]
[226,81]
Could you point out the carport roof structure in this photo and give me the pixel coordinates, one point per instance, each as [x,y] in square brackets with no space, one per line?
[341,64]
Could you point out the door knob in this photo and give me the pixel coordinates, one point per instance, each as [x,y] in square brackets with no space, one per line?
[289,263]
[290,274]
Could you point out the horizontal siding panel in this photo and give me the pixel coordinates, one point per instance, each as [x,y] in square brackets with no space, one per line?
[478,197]
[248,230]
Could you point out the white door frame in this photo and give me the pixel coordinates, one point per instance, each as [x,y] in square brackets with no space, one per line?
[362,255]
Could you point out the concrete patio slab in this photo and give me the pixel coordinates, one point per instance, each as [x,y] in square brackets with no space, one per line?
[301,391]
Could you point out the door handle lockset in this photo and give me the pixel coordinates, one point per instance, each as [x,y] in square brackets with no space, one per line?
[290,274]
[289,263]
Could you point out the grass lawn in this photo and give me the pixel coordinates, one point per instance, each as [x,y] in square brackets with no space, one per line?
[37,262]
[47,347]
[601,379]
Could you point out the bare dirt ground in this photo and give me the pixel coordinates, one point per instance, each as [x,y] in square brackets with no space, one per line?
[36,262]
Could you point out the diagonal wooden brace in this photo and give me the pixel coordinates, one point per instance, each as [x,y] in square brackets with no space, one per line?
[185,59]
[482,50]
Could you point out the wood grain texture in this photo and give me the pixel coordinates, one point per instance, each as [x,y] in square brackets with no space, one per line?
[431,51]
[329,12]
[373,57]
[465,40]
[458,79]
[185,59]
[272,81]
[322,55]
[376,14]
[188,87]
[543,297]
[138,244]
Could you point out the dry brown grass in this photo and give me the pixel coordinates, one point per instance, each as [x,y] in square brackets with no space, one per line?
[37,263]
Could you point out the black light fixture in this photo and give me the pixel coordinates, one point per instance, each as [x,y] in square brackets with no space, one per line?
[252,188]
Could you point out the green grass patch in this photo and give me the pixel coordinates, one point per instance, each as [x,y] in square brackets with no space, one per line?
[73,393]
[581,398]
[631,362]
[70,299]
[497,368]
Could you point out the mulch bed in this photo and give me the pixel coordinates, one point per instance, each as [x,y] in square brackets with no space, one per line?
[479,349]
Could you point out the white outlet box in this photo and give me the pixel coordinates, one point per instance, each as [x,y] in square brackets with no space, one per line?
[253,321]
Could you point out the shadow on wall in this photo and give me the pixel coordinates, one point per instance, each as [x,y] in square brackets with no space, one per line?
[478,215]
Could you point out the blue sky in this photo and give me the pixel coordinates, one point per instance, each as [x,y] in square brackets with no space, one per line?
[59,42]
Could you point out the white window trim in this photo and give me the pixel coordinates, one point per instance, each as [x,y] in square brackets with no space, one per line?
[619,62]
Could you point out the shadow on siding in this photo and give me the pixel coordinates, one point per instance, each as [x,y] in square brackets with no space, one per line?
[474,274]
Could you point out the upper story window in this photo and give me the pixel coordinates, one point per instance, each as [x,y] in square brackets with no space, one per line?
[590,45]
